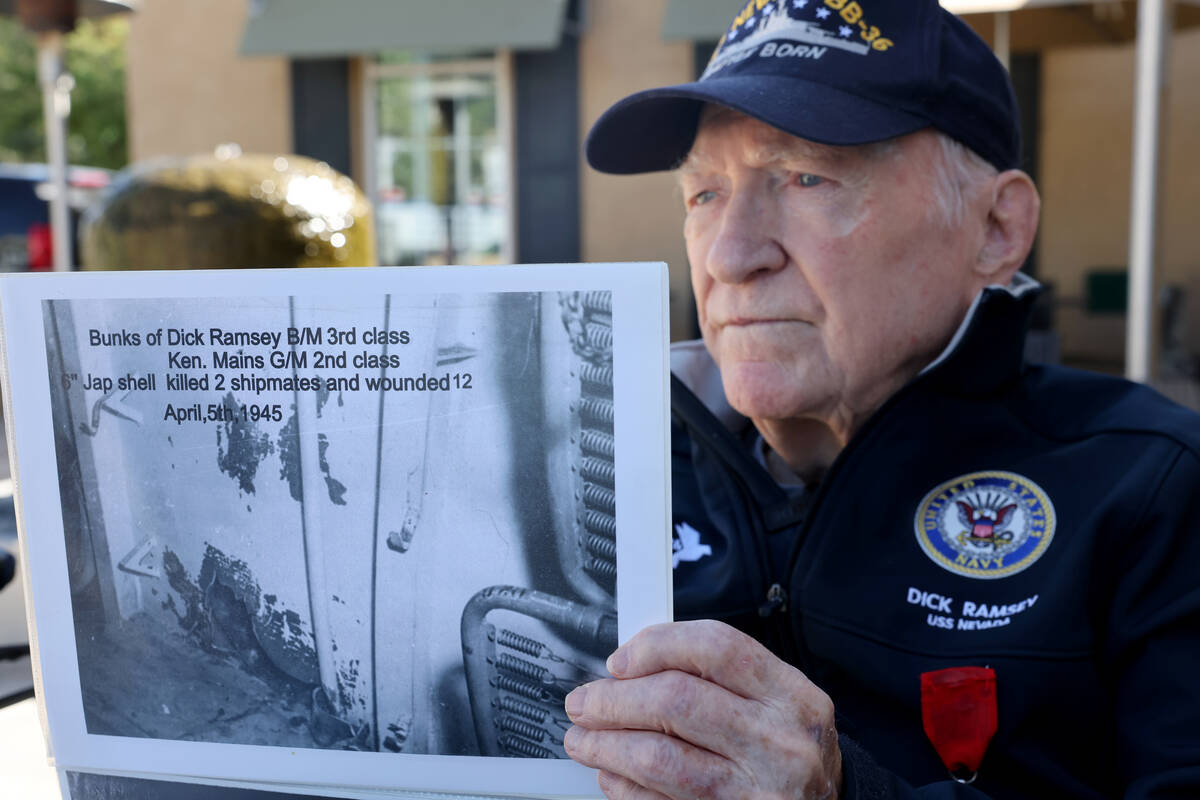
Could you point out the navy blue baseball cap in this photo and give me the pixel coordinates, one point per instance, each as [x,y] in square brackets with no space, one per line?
[838,72]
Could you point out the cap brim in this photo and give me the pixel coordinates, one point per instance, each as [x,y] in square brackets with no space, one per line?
[654,129]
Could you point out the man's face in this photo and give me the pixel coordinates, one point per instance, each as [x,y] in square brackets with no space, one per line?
[824,276]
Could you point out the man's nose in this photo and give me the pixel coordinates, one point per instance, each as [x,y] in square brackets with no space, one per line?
[746,243]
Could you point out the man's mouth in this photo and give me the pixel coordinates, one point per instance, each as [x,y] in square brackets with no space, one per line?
[746,322]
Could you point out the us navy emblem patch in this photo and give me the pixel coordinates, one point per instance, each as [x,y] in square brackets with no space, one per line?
[986,524]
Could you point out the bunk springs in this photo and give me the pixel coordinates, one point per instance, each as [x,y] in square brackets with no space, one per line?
[599,498]
[522,728]
[597,443]
[600,523]
[599,336]
[520,708]
[598,470]
[602,568]
[512,687]
[602,547]
[525,669]
[598,301]
[522,644]
[597,410]
[524,747]
[599,376]
[518,686]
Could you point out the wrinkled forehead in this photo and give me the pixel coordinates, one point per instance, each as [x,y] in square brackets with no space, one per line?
[762,145]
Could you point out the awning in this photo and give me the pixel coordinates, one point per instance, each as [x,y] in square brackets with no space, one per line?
[1040,23]
[85,9]
[346,27]
[698,20]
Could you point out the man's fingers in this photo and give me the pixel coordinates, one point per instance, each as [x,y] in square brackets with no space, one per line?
[711,650]
[653,761]
[616,787]
[701,710]
[672,702]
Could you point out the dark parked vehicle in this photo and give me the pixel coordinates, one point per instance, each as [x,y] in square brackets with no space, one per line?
[25,242]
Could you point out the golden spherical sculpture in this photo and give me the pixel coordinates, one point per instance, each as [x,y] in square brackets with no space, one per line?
[229,210]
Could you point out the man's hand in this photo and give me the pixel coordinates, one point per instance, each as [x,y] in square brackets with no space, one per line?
[699,709]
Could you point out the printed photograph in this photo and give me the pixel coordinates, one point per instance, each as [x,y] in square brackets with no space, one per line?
[385,524]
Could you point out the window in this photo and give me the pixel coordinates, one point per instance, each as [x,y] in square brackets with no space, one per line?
[439,170]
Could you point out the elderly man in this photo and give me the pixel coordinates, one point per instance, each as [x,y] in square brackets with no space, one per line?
[946,566]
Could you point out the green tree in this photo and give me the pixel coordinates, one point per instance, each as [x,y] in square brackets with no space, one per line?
[95,57]
[21,127]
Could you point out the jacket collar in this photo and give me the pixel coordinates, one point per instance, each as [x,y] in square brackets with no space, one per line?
[692,364]
[988,349]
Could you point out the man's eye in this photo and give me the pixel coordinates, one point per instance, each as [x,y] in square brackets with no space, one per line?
[808,179]
[700,198]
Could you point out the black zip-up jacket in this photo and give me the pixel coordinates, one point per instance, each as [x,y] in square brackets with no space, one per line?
[1036,520]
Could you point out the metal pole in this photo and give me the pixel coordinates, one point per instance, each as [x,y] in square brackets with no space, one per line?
[56,107]
[314,544]
[1151,39]
[311,492]
[1002,38]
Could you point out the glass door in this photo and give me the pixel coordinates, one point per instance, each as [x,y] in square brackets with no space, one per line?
[440,161]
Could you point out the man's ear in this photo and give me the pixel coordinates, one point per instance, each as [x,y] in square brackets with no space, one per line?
[1011,224]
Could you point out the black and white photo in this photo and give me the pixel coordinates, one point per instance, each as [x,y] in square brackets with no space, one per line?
[371,523]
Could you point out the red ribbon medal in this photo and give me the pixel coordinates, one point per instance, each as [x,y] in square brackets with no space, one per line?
[958,709]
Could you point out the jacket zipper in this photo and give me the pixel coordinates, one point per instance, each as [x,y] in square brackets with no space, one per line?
[796,639]
[774,596]
[776,601]
[738,481]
